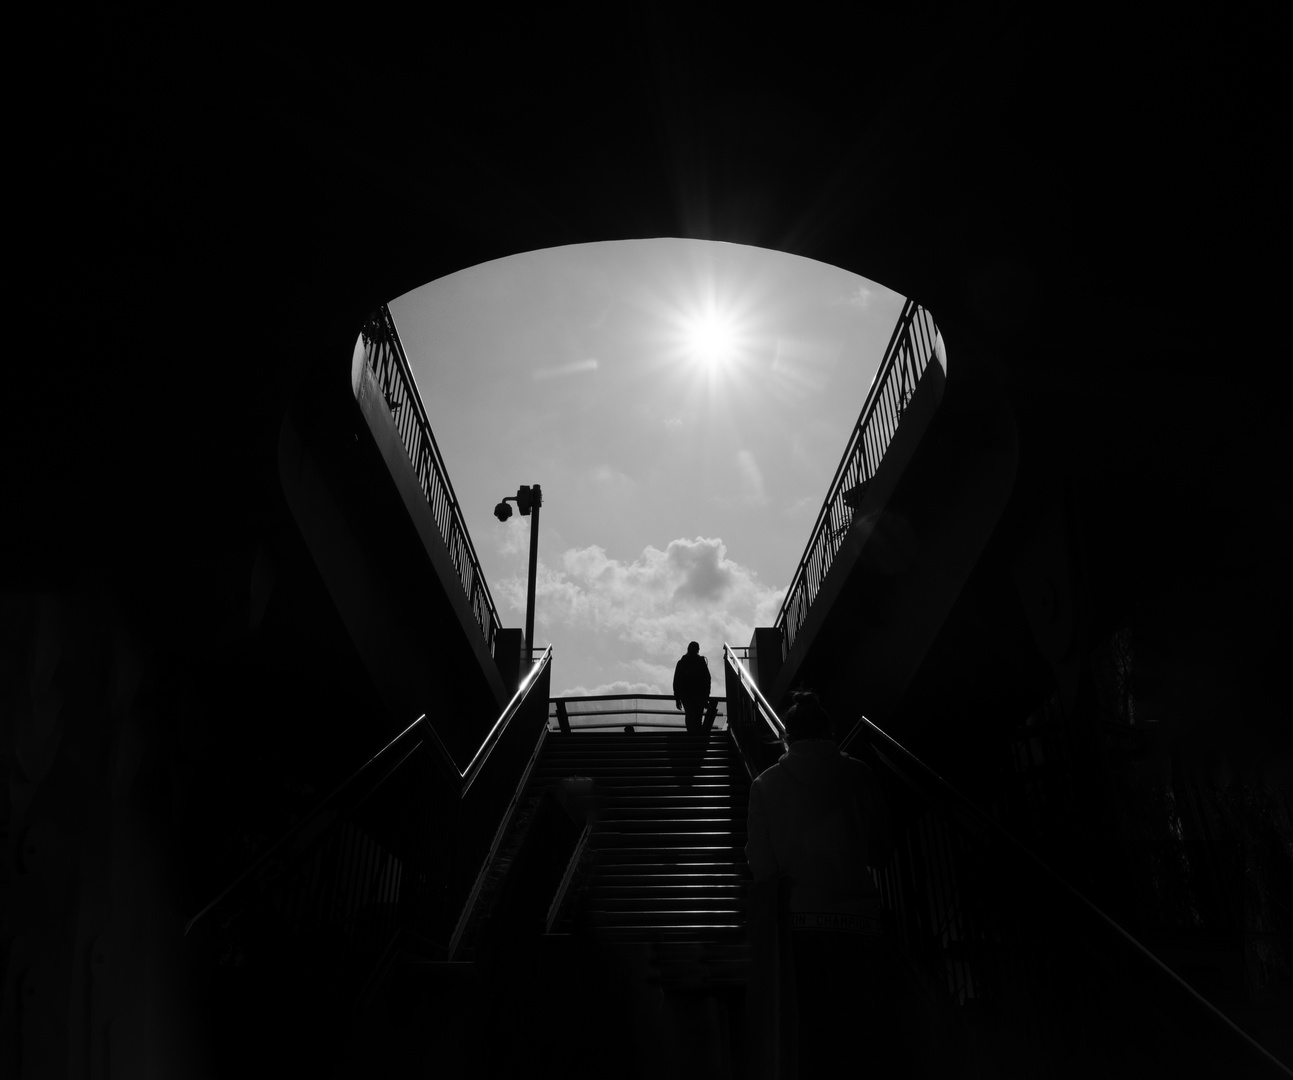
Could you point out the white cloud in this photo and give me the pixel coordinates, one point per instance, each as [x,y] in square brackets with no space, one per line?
[620,686]
[651,678]
[859,297]
[656,603]
[514,538]
[661,675]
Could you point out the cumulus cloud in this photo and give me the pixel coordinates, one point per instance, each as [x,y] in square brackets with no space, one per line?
[621,687]
[514,537]
[656,603]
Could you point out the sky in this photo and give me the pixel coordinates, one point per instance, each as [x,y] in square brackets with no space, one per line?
[683,404]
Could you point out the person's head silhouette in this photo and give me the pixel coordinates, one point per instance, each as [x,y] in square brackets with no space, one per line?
[806,718]
[693,646]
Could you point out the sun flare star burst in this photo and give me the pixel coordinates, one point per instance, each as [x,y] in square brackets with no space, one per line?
[711,338]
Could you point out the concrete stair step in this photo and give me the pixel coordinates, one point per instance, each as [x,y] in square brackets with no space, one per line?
[648,889]
[654,935]
[704,801]
[668,847]
[636,875]
[727,824]
[676,860]
[659,904]
[613,770]
[673,918]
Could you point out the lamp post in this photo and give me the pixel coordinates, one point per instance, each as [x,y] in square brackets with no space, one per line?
[528,499]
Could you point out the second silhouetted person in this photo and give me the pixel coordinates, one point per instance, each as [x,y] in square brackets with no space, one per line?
[691,682]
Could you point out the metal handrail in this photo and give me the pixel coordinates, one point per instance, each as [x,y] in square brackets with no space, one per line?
[755,731]
[765,711]
[384,356]
[983,826]
[622,697]
[381,765]
[466,777]
[572,866]
[628,697]
[505,824]
[913,344]
[715,702]
[312,825]
[935,790]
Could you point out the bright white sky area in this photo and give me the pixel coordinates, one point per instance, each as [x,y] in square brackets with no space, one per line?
[683,404]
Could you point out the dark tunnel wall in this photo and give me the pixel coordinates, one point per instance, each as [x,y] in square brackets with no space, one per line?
[208,209]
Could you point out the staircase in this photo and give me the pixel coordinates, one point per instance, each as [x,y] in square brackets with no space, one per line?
[647,962]
[667,862]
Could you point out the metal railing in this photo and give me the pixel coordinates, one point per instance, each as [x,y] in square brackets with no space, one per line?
[613,711]
[756,728]
[558,904]
[912,346]
[391,854]
[384,356]
[1032,969]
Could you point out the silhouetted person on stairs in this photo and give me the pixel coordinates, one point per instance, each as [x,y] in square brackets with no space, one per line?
[691,682]
[817,820]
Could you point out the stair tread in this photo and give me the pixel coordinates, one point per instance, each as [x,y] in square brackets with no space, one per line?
[609,771]
[706,782]
[668,845]
[640,801]
[638,746]
[697,870]
[699,906]
[676,918]
[614,818]
[672,934]
[627,875]
[652,761]
[645,888]
[645,863]
[701,837]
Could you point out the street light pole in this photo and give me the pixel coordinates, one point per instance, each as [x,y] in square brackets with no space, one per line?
[528,499]
[536,500]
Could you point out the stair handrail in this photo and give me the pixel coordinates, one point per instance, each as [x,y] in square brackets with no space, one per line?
[915,342]
[572,866]
[983,825]
[467,776]
[314,823]
[765,711]
[384,356]
[755,739]
[376,769]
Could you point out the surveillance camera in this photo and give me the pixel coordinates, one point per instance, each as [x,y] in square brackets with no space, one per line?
[502,511]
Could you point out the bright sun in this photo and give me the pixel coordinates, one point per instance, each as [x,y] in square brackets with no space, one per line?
[711,339]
